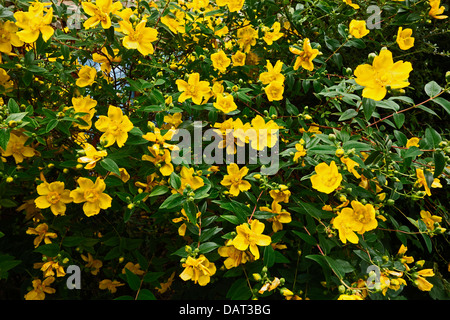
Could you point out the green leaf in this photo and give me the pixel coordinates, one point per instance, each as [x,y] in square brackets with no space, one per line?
[305,237]
[348,114]
[13,107]
[172,201]
[133,280]
[399,119]
[439,163]
[158,190]
[443,103]
[239,290]
[51,125]
[269,256]
[432,89]
[207,247]
[369,107]
[110,165]
[4,137]
[191,211]
[145,294]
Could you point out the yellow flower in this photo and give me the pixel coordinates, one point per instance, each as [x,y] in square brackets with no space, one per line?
[187,178]
[421,181]
[301,152]
[115,127]
[233,5]
[5,81]
[234,179]
[404,39]
[225,103]
[423,284]
[140,38]
[381,74]
[327,178]
[16,147]
[93,264]
[9,38]
[246,38]
[349,297]
[198,270]
[351,164]
[274,91]
[34,22]
[413,142]
[124,175]
[160,158]
[172,121]
[220,61]
[351,4]
[53,196]
[280,195]
[158,138]
[358,28]
[92,195]
[271,36]
[48,267]
[92,156]
[436,10]
[99,13]
[40,288]
[105,59]
[134,268]
[175,25]
[273,73]
[193,88]
[238,59]
[281,217]
[86,76]
[429,219]
[183,226]
[234,257]
[110,285]
[41,231]
[251,237]
[305,56]
[84,105]
[261,134]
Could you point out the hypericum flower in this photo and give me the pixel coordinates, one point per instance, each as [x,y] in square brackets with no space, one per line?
[187,177]
[40,288]
[41,231]
[274,91]
[305,56]
[282,216]
[177,24]
[251,237]
[327,178]
[160,158]
[357,28]
[436,10]
[183,226]
[225,103]
[246,38]
[220,61]
[301,152]
[413,142]
[271,36]
[360,218]
[261,134]
[134,268]
[404,39]
[273,73]
[421,181]
[105,59]
[5,81]
[110,285]
[34,22]
[115,127]
[351,4]
[16,147]
[233,5]
[9,38]
[421,282]
[49,268]
[234,179]
[234,257]
[172,120]
[351,164]
[92,195]
[381,74]
[158,137]
[84,105]
[280,195]
[99,13]
[193,88]
[53,196]
[93,264]
[198,270]
[140,38]
[429,219]
[238,59]
[86,76]
[350,297]
[92,156]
